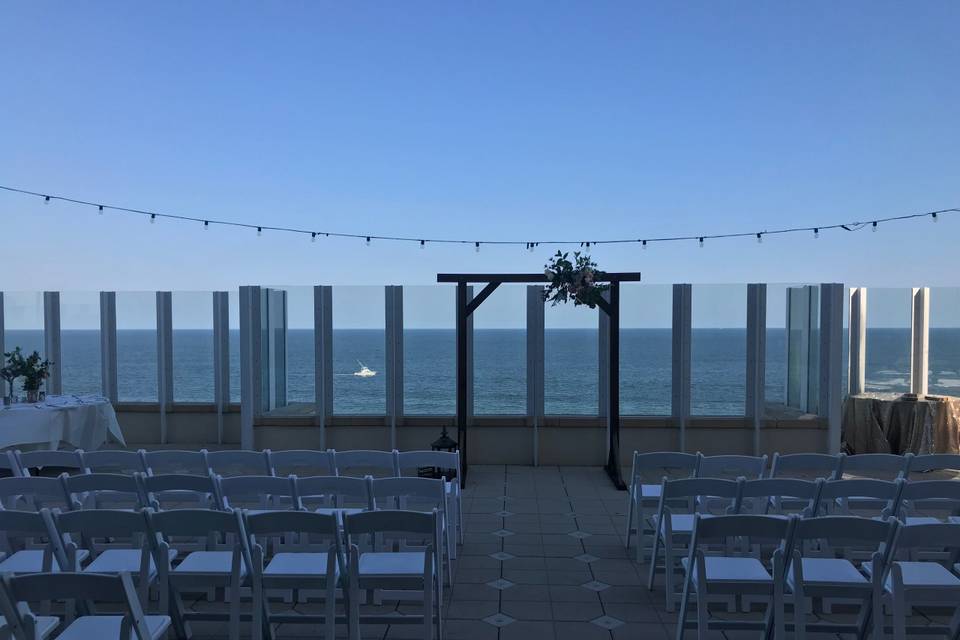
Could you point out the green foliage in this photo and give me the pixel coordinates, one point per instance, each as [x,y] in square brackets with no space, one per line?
[574,281]
[32,369]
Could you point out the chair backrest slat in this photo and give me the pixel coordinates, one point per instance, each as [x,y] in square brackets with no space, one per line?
[242,462]
[732,466]
[364,462]
[301,462]
[169,461]
[808,466]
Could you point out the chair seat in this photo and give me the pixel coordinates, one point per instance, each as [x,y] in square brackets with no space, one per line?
[828,571]
[118,560]
[347,511]
[650,490]
[680,522]
[919,574]
[207,562]
[391,564]
[88,627]
[725,569]
[45,626]
[298,564]
[31,561]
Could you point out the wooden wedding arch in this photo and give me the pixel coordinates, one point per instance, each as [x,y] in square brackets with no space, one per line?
[610,306]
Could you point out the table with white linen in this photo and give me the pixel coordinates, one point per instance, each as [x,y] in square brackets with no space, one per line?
[84,422]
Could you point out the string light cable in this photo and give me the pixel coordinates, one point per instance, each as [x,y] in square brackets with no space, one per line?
[153,216]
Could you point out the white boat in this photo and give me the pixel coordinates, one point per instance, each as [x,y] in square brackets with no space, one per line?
[365,371]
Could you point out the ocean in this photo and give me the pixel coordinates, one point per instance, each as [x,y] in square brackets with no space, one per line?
[571,368]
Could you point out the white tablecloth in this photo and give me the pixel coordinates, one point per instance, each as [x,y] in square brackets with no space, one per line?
[85,422]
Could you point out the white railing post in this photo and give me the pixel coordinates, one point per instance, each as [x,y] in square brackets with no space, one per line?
[251,373]
[323,357]
[831,362]
[164,358]
[221,356]
[856,377]
[535,363]
[51,341]
[755,401]
[108,345]
[393,352]
[920,340]
[682,335]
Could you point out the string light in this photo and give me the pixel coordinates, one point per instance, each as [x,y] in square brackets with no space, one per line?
[206,225]
[759,238]
[701,242]
[476,247]
[313,236]
[423,245]
[530,246]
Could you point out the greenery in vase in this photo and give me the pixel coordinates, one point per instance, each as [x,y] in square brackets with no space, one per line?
[33,369]
[574,281]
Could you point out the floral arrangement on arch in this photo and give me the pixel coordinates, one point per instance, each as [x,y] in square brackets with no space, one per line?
[574,281]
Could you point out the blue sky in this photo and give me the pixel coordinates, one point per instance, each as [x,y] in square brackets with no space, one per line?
[485,120]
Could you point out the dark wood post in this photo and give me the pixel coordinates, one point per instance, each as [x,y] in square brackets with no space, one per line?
[462,378]
[613,408]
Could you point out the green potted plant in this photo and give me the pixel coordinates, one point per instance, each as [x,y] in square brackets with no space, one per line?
[35,371]
[11,370]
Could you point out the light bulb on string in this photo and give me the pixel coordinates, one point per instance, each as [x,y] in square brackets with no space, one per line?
[206,225]
[476,246]
[701,242]
[644,245]
[368,241]
[759,238]
[313,236]
[816,232]
[874,229]
[153,218]
[46,199]
[100,209]
[259,231]
[423,244]
[934,216]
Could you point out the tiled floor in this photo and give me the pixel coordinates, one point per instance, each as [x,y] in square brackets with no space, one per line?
[543,557]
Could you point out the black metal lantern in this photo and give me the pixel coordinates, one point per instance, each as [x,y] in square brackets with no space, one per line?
[443,443]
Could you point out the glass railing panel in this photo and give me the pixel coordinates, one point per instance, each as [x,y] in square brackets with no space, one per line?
[775,356]
[80,342]
[234,306]
[359,365]
[571,360]
[429,350]
[192,314]
[718,350]
[500,352]
[646,349]
[137,346]
[23,326]
[888,341]
[944,372]
[288,350]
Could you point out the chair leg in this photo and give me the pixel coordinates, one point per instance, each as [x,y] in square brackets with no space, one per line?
[899,618]
[438,596]
[668,576]
[353,618]
[684,601]
[703,615]
[653,560]
[799,614]
[258,603]
[630,520]
[330,621]
[428,607]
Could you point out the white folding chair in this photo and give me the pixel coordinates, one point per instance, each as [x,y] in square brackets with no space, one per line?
[878,466]
[199,571]
[256,493]
[294,550]
[178,491]
[927,502]
[33,493]
[806,466]
[81,532]
[9,466]
[909,582]
[168,461]
[729,575]
[301,463]
[18,591]
[732,467]
[113,461]
[103,491]
[943,465]
[238,463]
[333,494]
[673,527]
[861,496]
[418,494]
[829,576]
[49,463]
[446,464]
[781,496]
[363,462]
[646,476]
[28,546]
[396,570]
